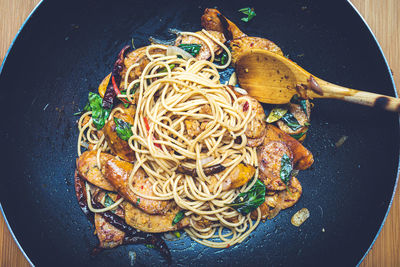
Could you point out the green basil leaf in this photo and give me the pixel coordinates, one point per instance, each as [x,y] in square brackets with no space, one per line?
[178,217]
[276,114]
[302,102]
[108,201]
[149,246]
[299,135]
[123,129]
[221,58]
[193,49]
[291,121]
[137,201]
[249,12]
[248,201]
[286,169]
[99,114]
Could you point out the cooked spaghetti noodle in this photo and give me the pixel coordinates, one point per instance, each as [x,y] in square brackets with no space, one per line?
[170,91]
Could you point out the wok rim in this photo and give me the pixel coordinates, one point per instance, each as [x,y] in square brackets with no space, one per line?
[380,52]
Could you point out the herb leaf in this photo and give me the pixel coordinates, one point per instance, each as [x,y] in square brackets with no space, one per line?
[248,201]
[276,114]
[150,246]
[302,102]
[286,169]
[171,66]
[299,135]
[123,129]
[249,12]
[291,121]
[221,58]
[178,217]
[99,114]
[193,49]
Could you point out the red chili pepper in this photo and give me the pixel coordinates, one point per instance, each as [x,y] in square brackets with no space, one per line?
[118,197]
[146,123]
[246,106]
[116,90]
[142,187]
[227,246]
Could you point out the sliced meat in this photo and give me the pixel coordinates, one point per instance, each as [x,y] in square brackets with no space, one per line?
[213,20]
[239,176]
[244,44]
[287,198]
[256,127]
[108,235]
[270,158]
[88,170]
[153,223]
[119,146]
[302,157]
[118,171]
[205,52]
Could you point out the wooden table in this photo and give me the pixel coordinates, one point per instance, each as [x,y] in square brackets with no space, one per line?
[383,16]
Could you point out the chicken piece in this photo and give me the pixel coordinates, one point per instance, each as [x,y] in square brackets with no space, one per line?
[270,158]
[213,20]
[205,52]
[118,172]
[302,117]
[109,236]
[239,176]
[244,44]
[153,223]
[302,158]
[88,170]
[287,198]
[256,127]
[119,146]
[192,127]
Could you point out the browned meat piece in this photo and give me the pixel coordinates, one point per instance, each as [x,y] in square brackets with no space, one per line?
[118,146]
[211,22]
[108,235]
[256,127]
[118,171]
[302,158]
[289,197]
[302,117]
[241,45]
[269,158]
[153,223]
[87,169]
[205,52]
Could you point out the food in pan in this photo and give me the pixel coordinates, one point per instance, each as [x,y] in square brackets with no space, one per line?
[166,146]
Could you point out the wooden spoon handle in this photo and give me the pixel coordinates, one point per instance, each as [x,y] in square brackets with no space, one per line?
[330,90]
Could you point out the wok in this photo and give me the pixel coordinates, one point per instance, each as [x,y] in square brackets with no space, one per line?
[66,48]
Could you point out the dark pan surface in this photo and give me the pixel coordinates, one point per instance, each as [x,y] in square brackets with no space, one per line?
[67,47]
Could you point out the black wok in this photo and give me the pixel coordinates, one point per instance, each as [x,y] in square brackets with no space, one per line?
[67,47]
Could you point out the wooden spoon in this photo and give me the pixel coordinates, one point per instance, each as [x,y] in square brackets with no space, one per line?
[274,79]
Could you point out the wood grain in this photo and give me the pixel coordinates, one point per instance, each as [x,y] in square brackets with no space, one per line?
[383,18]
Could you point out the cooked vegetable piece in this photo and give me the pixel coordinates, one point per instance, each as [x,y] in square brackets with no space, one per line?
[192,49]
[99,114]
[248,201]
[276,114]
[300,217]
[286,168]
[249,12]
[123,129]
[178,217]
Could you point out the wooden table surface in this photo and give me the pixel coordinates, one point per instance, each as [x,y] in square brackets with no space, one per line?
[383,16]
